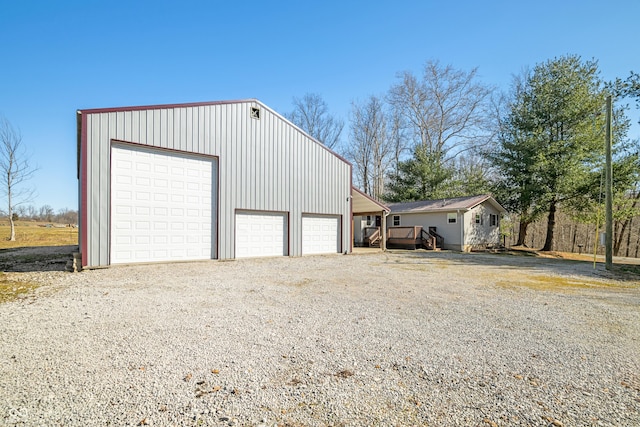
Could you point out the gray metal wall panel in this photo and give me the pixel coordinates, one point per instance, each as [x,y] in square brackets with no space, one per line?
[266,164]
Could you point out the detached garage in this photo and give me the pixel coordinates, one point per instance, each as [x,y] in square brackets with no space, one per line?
[214,180]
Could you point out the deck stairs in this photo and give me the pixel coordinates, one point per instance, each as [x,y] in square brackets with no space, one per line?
[372,237]
[431,240]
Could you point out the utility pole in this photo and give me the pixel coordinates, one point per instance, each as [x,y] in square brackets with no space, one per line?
[608,191]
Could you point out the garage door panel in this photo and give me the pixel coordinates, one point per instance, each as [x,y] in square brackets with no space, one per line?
[151,206]
[260,234]
[320,234]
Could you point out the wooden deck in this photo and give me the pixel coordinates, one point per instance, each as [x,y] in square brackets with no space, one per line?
[413,237]
[404,237]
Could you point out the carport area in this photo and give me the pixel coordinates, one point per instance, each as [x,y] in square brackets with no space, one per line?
[369,221]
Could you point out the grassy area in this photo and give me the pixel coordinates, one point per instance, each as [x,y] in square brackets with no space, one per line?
[11,289]
[37,234]
[556,283]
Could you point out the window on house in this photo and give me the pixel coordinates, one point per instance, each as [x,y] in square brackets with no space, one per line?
[255,113]
[452,218]
[493,220]
[396,220]
[368,220]
[479,218]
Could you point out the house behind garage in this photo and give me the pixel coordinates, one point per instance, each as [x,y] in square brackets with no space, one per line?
[216,180]
[465,223]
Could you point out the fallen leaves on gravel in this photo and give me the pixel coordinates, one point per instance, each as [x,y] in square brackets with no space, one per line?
[344,374]
[554,422]
[294,382]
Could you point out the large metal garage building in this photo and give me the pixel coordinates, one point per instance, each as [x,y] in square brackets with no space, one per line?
[214,180]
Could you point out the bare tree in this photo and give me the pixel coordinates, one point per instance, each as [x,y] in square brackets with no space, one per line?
[32,212]
[311,114]
[445,110]
[46,213]
[67,216]
[398,141]
[15,170]
[371,149]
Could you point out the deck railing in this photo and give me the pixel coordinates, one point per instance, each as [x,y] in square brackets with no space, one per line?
[404,232]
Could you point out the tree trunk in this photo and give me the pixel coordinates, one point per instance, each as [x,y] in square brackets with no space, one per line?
[573,240]
[522,232]
[618,236]
[13,228]
[365,180]
[629,238]
[12,237]
[551,223]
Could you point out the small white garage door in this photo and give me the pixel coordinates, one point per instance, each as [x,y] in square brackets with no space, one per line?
[320,234]
[161,205]
[261,234]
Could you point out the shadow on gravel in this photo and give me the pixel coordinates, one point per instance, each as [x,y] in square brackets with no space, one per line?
[514,260]
[36,258]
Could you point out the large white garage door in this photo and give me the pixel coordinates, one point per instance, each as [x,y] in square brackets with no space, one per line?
[320,235]
[261,234]
[161,205]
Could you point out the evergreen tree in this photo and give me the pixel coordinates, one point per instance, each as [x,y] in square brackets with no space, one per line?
[424,176]
[551,138]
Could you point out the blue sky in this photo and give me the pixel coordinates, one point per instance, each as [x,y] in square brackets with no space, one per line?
[60,56]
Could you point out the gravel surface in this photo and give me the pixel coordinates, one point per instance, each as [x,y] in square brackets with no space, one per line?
[401,338]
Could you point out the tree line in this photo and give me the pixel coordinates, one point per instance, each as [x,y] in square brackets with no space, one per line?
[538,147]
[43,213]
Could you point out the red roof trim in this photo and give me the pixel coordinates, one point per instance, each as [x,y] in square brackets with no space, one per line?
[84,239]
[303,132]
[160,106]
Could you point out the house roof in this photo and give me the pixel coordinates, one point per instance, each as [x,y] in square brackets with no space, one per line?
[445,205]
[363,204]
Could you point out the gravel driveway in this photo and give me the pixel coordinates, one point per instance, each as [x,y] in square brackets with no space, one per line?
[400,338]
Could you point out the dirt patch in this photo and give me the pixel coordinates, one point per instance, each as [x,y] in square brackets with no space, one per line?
[37,258]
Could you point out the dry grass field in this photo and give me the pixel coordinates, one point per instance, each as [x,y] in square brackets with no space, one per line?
[30,233]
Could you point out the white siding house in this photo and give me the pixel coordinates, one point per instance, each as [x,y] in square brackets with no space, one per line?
[465,223]
[213,180]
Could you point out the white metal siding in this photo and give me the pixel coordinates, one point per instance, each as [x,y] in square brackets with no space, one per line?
[320,234]
[266,165]
[261,234]
[161,206]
